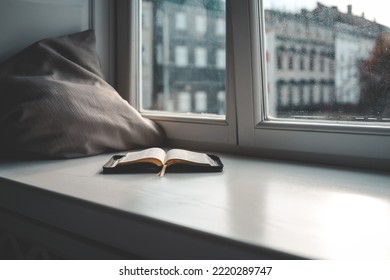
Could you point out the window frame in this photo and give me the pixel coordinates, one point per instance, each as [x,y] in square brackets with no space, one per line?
[362,144]
[248,129]
[180,128]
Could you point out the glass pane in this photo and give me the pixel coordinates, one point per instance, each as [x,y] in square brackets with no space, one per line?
[184,56]
[328,60]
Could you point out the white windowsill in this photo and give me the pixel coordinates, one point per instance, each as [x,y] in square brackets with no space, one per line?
[254,209]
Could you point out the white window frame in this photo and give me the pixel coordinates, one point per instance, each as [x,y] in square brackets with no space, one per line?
[358,144]
[247,127]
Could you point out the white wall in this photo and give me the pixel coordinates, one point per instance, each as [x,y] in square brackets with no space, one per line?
[22,22]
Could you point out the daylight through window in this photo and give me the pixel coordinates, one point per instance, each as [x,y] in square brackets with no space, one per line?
[184,56]
[327,62]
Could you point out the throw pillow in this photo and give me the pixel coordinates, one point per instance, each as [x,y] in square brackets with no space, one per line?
[55,102]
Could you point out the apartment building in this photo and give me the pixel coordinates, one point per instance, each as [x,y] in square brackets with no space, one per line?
[313,59]
[189,56]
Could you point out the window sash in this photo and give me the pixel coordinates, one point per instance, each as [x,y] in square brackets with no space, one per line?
[341,142]
[196,128]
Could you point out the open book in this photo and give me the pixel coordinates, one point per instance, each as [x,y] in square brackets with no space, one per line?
[157,160]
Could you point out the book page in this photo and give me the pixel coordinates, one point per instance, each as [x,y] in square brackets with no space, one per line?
[184,156]
[152,155]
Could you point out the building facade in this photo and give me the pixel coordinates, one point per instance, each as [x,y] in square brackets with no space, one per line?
[189,46]
[313,60]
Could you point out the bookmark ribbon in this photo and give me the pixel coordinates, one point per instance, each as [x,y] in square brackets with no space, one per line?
[162,172]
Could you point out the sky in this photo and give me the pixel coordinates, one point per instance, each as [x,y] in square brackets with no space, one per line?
[373,9]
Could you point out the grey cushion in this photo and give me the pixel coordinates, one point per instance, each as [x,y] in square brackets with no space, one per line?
[55,102]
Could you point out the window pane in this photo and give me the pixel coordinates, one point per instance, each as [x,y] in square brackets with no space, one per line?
[184,57]
[327,62]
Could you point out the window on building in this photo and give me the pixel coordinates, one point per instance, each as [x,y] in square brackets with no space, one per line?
[220,27]
[291,62]
[306,94]
[200,101]
[221,59]
[221,100]
[302,63]
[331,67]
[200,57]
[181,56]
[200,24]
[286,93]
[326,95]
[159,54]
[279,60]
[312,61]
[184,102]
[316,94]
[322,62]
[181,21]
[295,97]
